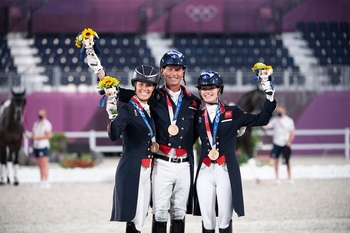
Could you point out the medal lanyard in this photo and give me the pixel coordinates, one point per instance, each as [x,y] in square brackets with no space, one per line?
[173,118]
[212,138]
[139,108]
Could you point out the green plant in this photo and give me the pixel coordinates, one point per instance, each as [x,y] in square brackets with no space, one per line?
[58,142]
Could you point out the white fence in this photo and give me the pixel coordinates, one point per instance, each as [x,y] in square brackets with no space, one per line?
[93,135]
[316,146]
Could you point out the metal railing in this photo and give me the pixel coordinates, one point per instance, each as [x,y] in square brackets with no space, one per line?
[94,135]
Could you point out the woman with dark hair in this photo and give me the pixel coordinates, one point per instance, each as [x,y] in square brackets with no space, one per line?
[132,190]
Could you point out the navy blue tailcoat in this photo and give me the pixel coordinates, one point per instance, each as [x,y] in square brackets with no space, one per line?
[136,146]
[231,119]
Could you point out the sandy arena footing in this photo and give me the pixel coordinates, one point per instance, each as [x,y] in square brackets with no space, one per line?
[318,202]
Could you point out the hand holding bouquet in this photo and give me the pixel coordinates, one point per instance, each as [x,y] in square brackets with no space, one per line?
[86,41]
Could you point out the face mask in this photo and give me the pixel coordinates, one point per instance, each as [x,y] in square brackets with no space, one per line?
[40,117]
[279,114]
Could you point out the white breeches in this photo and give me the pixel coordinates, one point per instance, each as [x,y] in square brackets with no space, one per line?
[170,188]
[143,198]
[213,183]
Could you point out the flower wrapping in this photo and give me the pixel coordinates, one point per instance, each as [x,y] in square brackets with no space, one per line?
[260,68]
[103,85]
[86,38]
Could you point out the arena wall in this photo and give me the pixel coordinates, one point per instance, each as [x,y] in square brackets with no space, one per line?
[222,16]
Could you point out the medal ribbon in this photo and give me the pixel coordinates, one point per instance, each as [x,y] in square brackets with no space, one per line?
[139,108]
[173,118]
[212,138]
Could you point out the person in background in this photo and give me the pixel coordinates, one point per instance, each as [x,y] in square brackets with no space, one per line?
[283,136]
[218,184]
[42,129]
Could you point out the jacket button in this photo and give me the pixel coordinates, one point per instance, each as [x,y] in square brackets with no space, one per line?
[169,144]
[148,149]
[180,147]
[217,143]
[149,156]
[208,150]
[170,135]
[181,137]
[149,134]
[148,142]
[207,144]
[183,118]
[182,128]
[206,137]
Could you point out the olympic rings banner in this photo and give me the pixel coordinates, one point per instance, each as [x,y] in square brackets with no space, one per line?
[205,13]
[193,16]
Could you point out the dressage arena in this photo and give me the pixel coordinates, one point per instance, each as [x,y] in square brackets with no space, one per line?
[79,200]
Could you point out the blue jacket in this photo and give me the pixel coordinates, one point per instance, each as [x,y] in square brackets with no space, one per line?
[136,146]
[231,119]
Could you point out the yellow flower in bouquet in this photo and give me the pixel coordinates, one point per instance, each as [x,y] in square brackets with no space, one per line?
[77,44]
[108,82]
[88,32]
[108,86]
[85,34]
[261,66]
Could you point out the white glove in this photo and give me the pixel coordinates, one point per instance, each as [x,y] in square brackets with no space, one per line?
[92,60]
[241,131]
[268,88]
[111,105]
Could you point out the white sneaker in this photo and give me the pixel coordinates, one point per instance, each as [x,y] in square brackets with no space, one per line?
[278,182]
[291,182]
[45,185]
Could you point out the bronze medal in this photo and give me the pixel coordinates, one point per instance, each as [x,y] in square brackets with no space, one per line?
[154,147]
[213,154]
[173,130]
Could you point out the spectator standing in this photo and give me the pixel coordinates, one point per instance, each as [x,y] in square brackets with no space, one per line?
[283,136]
[41,135]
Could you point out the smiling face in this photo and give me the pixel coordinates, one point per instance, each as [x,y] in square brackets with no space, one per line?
[210,94]
[173,76]
[143,90]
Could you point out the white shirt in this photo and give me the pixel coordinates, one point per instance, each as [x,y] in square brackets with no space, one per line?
[39,130]
[212,111]
[146,108]
[174,95]
[282,127]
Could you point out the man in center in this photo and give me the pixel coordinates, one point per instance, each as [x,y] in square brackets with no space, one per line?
[174,110]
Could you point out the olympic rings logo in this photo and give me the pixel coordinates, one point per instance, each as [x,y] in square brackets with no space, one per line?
[201,12]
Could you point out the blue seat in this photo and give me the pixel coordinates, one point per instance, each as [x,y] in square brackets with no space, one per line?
[345,60]
[345,43]
[312,26]
[333,26]
[344,26]
[322,26]
[301,26]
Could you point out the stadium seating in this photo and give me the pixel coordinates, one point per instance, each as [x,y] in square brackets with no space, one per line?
[329,41]
[8,70]
[118,55]
[7,64]
[229,53]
